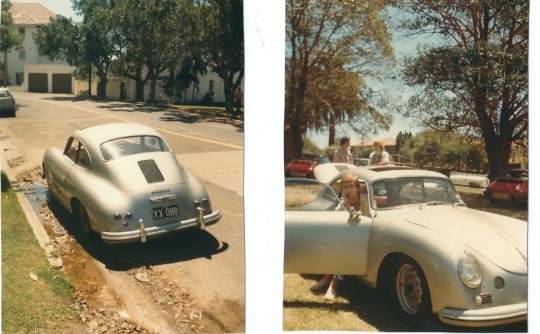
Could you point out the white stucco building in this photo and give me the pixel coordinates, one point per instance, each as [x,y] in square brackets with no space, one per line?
[26,69]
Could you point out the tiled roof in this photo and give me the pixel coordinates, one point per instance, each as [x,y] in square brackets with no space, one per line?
[30,13]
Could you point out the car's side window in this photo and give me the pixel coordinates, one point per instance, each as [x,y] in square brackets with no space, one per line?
[77,153]
[83,159]
[364,206]
[72,148]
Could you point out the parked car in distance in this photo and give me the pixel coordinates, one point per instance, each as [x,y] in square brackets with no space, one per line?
[512,187]
[318,158]
[7,103]
[413,237]
[123,182]
[469,179]
[303,165]
[361,161]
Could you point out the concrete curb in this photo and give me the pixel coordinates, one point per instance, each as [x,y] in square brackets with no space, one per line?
[41,235]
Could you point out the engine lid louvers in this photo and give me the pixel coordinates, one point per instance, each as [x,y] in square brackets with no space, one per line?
[150,171]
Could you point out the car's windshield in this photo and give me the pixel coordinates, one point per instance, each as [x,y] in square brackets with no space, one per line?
[310,195]
[395,192]
[121,147]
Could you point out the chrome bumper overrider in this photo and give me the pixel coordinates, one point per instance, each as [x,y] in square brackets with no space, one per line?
[143,233]
[498,315]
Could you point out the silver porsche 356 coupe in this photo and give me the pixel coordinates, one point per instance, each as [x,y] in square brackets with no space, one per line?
[414,237]
[123,181]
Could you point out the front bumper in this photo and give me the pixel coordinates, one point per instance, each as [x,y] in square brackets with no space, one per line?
[492,316]
[159,231]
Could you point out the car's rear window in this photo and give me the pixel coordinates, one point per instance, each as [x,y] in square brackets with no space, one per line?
[122,147]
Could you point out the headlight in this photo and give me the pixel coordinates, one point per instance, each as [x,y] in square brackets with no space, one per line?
[469,271]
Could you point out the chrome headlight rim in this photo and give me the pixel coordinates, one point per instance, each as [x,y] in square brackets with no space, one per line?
[469,271]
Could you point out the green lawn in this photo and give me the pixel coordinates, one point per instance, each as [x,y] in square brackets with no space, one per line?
[29,305]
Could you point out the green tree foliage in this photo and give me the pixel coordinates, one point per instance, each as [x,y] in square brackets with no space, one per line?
[475,80]
[331,46]
[401,138]
[54,41]
[140,39]
[447,150]
[85,47]
[188,76]
[151,36]
[9,39]
[221,43]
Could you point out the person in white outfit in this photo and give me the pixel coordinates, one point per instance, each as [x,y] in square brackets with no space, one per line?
[379,156]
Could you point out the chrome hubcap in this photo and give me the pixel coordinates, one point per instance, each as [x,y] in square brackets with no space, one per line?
[409,289]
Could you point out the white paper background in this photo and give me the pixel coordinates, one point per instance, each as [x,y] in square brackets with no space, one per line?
[263,170]
[263,182]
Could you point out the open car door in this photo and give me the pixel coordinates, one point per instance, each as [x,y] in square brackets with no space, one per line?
[321,236]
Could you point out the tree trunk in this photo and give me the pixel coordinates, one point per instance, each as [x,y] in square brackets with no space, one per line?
[293,141]
[498,152]
[229,87]
[139,89]
[497,146]
[102,87]
[6,72]
[228,90]
[153,84]
[332,130]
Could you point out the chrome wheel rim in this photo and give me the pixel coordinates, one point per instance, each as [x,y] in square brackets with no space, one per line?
[409,289]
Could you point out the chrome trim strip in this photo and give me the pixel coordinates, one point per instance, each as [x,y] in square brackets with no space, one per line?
[162,198]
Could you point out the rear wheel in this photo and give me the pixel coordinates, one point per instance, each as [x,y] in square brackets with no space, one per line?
[83,222]
[410,291]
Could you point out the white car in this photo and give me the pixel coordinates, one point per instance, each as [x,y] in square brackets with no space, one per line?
[469,180]
[415,238]
[123,182]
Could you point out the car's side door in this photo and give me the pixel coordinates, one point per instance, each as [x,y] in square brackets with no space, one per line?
[74,154]
[323,238]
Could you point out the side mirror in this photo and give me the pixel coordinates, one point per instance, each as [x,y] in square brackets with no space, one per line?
[354,215]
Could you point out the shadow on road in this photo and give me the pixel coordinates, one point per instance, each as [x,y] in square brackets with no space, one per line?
[183,246]
[183,114]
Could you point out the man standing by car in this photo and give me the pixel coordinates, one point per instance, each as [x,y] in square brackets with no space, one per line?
[343,154]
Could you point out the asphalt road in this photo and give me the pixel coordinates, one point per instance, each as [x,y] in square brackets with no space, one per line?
[212,147]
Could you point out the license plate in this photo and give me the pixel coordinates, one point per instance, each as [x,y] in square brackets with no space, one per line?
[501,196]
[165,212]
[297,174]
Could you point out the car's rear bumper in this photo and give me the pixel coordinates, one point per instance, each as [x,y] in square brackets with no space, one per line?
[492,316]
[158,231]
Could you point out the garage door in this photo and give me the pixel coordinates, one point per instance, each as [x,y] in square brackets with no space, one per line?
[37,83]
[61,83]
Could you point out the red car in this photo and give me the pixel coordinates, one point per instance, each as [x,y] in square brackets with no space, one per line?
[512,186]
[304,165]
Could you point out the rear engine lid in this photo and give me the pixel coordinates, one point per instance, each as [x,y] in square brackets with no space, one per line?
[140,172]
